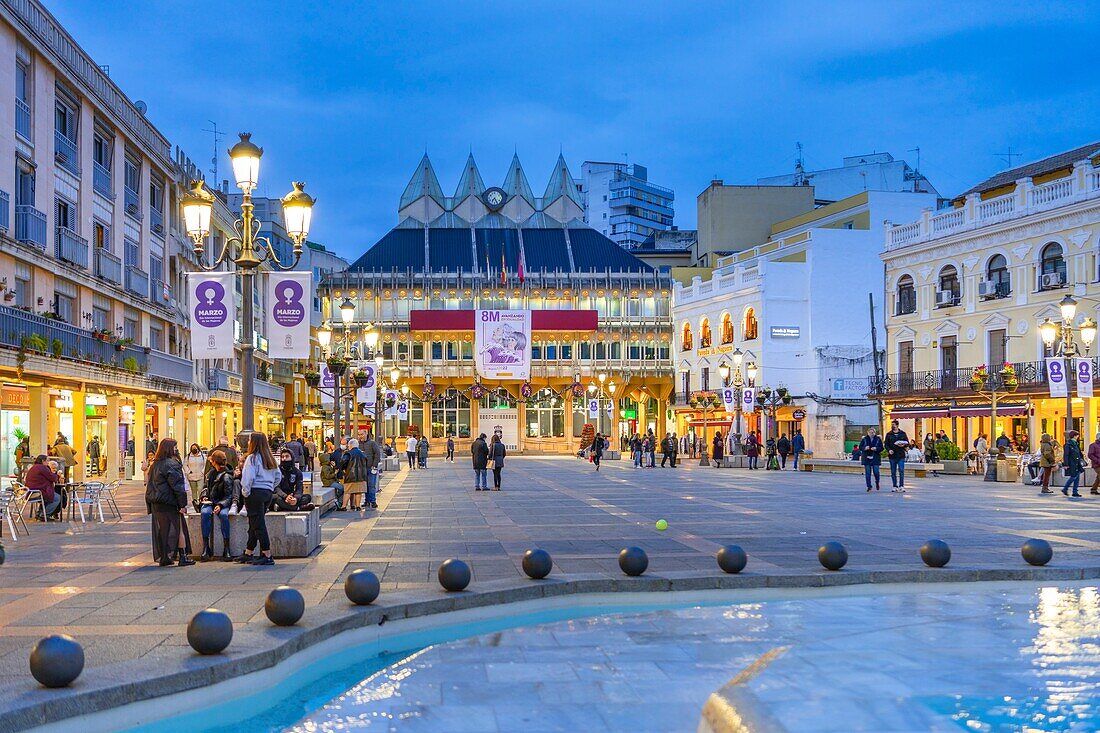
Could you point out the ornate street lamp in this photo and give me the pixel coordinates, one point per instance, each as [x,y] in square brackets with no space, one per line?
[1062,333]
[247,251]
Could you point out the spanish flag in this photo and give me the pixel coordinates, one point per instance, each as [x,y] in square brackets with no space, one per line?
[503,277]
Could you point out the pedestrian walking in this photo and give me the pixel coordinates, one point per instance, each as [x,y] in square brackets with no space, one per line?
[675,449]
[596,450]
[479,451]
[1073,463]
[752,451]
[410,451]
[93,455]
[422,451]
[636,450]
[798,447]
[870,451]
[497,452]
[719,446]
[450,449]
[651,448]
[1094,460]
[259,475]
[896,443]
[166,501]
[783,445]
[666,451]
[1048,459]
[216,498]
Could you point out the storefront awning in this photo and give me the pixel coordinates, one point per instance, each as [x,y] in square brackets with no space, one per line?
[1009,410]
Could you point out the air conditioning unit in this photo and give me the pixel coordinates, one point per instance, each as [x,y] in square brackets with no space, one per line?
[131,209]
[61,157]
[158,229]
[987,289]
[946,297]
[1052,280]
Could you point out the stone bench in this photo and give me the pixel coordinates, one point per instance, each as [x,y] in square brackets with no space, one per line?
[292,534]
[842,465]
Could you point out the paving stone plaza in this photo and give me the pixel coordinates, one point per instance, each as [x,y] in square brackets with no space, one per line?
[97,582]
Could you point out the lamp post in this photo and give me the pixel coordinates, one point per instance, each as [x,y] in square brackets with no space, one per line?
[1062,333]
[705,401]
[769,400]
[247,251]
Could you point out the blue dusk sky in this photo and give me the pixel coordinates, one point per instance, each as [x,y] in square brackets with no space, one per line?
[348,95]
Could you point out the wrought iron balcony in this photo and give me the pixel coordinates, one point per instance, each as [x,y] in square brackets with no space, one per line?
[1031,375]
[65,153]
[108,266]
[48,336]
[137,281]
[101,180]
[72,248]
[30,226]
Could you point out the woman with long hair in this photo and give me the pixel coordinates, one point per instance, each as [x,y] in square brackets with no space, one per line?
[259,477]
[497,452]
[166,498]
[216,498]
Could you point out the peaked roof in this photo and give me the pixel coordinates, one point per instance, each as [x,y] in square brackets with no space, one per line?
[515,183]
[423,183]
[561,184]
[1037,168]
[470,184]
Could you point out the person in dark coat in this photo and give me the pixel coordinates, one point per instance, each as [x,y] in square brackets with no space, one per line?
[497,452]
[166,498]
[718,448]
[479,450]
[752,450]
[798,447]
[870,451]
[1073,463]
[215,500]
[596,450]
[783,445]
[288,496]
[41,477]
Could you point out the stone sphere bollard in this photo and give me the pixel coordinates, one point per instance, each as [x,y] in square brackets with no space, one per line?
[537,563]
[732,559]
[210,631]
[361,587]
[633,561]
[454,574]
[832,556]
[1037,552]
[935,553]
[57,660]
[284,606]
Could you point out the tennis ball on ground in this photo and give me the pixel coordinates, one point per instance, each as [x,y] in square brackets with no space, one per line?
[662,525]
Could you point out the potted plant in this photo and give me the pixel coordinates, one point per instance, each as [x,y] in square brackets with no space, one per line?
[312,376]
[337,365]
[978,378]
[950,456]
[1008,376]
[360,377]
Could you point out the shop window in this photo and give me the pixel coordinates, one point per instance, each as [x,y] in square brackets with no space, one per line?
[685,338]
[750,327]
[727,329]
[704,334]
[451,416]
[545,416]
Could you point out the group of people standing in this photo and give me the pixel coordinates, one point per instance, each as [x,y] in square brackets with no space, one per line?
[1072,460]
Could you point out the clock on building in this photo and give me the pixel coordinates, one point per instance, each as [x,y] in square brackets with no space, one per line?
[494,198]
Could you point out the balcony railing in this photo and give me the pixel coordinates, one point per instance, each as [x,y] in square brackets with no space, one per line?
[137,281]
[156,222]
[65,153]
[220,379]
[64,340]
[72,248]
[22,119]
[101,180]
[132,199]
[1031,375]
[159,292]
[1027,199]
[5,211]
[108,266]
[30,226]
[172,367]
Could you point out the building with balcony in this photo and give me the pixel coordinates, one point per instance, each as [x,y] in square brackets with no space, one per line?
[969,285]
[796,307]
[93,342]
[595,309]
[621,203]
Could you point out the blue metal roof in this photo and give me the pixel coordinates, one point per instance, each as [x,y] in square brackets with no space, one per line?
[594,251]
[544,249]
[450,250]
[400,249]
[491,244]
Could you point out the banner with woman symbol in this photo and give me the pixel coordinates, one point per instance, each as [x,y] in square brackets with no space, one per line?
[1084,376]
[729,399]
[212,310]
[1056,377]
[289,297]
[502,344]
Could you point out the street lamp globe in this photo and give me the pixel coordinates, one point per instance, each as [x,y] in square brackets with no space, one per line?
[724,370]
[371,338]
[395,374]
[324,335]
[1088,332]
[347,311]
[602,376]
[1068,306]
[246,162]
[379,362]
[197,204]
[405,390]
[591,388]
[298,213]
[612,387]
[751,371]
[1049,331]
[738,357]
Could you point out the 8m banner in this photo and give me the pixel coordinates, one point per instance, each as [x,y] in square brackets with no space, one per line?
[502,344]
[288,294]
[212,305]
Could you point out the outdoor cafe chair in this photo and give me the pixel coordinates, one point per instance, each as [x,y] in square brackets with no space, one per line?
[108,496]
[7,514]
[91,496]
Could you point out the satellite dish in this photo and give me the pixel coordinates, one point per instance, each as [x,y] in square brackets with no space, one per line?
[141,107]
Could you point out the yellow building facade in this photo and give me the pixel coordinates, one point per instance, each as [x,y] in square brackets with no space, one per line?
[968,287]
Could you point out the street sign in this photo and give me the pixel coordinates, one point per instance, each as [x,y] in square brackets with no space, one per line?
[799,414]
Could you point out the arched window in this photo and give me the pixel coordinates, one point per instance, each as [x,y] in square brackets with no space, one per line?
[727,328]
[750,327]
[949,292]
[685,338]
[1052,269]
[907,296]
[704,334]
[996,273]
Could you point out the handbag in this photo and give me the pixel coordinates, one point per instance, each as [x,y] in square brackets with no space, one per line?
[492,464]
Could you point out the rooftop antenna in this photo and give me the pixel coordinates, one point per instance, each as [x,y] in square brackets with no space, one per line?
[918,176]
[218,135]
[799,166]
[1006,158]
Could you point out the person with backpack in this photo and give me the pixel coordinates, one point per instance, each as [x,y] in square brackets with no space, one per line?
[771,455]
[356,474]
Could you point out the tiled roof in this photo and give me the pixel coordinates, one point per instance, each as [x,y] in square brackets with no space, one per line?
[1038,168]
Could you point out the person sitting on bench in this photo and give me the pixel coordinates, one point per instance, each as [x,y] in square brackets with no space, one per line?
[288,496]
